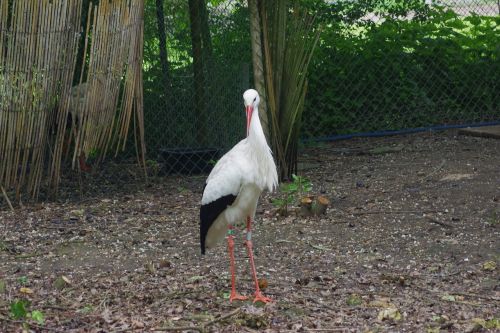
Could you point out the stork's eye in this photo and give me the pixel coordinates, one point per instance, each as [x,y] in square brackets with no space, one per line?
[255,99]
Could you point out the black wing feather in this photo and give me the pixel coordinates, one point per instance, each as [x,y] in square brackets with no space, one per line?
[209,213]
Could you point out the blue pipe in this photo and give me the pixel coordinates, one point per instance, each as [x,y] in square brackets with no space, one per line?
[397,132]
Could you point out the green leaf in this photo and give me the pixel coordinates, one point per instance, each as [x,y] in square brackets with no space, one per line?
[492,324]
[23,280]
[354,300]
[278,202]
[18,308]
[38,316]
[86,309]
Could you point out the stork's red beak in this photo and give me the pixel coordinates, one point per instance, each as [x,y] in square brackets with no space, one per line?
[249,116]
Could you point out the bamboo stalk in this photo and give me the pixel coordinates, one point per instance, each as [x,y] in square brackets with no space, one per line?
[38,51]
[7,198]
[33,46]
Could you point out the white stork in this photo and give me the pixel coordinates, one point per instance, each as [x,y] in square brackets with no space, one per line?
[233,188]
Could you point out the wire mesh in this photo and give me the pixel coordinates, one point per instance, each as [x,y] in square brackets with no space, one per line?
[380,65]
[389,66]
[194,111]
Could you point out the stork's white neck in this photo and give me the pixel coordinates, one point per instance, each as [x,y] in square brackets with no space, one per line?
[255,133]
[261,154]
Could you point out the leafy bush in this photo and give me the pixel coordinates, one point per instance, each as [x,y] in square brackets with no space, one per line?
[437,68]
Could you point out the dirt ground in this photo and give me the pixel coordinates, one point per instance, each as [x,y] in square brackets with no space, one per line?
[410,243]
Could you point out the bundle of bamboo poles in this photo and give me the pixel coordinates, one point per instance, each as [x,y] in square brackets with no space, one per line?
[38,55]
[109,93]
[38,44]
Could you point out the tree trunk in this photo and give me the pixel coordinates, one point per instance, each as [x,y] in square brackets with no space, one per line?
[198,77]
[205,31]
[257,62]
[162,36]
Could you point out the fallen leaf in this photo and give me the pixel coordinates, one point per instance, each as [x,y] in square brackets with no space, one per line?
[137,324]
[320,247]
[106,316]
[26,290]
[60,283]
[457,176]
[263,283]
[490,265]
[389,313]
[77,213]
[382,302]
[164,263]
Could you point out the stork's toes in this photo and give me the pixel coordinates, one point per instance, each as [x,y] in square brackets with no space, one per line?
[236,296]
[259,297]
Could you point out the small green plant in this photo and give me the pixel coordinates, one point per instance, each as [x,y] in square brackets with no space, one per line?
[93,153]
[19,311]
[292,192]
[154,166]
[86,309]
[494,219]
[182,189]
[23,280]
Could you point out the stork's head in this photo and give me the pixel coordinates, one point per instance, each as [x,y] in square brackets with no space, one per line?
[251,100]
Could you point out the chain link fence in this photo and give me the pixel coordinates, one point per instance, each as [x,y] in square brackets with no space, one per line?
[194,113]
[389,68]
[380,66]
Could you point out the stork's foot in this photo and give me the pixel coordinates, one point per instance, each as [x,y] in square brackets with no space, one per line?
[235,296]
[259,297]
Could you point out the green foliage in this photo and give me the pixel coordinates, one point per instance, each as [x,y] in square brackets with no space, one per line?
[86,309]
[38,316]
[291,193]
[19,310]
[494,219]
[354,300]
[169,111]
[289,36]
[415,65]
[153,167]
[401,73]
[23,280]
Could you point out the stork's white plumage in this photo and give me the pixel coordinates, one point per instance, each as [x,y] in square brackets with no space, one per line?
[233,189]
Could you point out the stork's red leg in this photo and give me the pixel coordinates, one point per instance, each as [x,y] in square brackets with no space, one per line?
[258,294]
[230,242]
